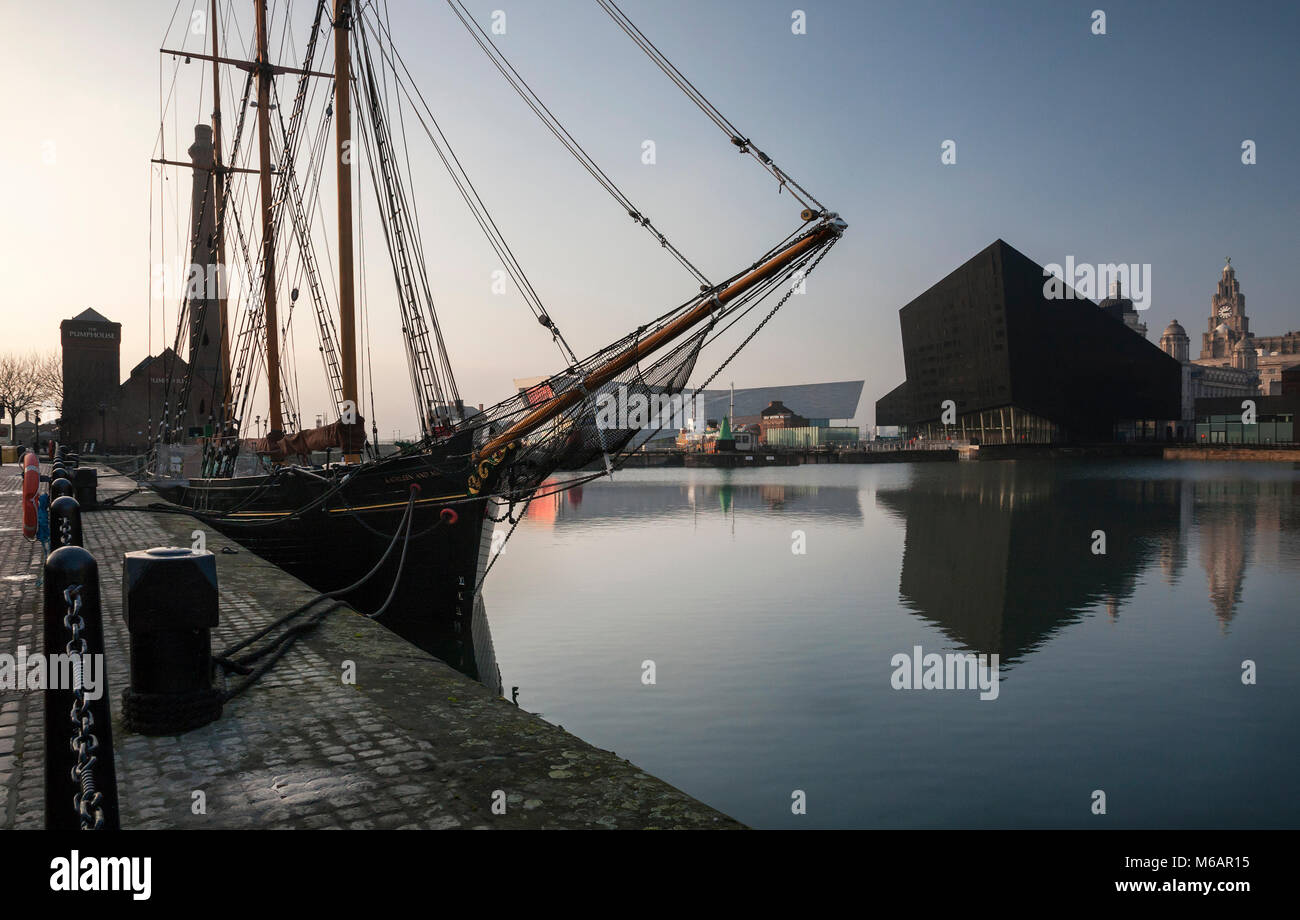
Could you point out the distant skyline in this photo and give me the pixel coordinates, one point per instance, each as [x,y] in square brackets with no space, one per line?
[1122,147]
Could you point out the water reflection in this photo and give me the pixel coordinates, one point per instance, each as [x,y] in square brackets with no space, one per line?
[1000,556]
[626,499]
[774,668]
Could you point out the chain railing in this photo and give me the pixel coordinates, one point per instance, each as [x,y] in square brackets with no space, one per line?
[88,801]
[80,775]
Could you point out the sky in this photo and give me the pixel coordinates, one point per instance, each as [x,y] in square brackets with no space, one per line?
[1116,147]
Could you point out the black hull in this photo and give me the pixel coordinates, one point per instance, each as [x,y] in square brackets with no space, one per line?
[337,540]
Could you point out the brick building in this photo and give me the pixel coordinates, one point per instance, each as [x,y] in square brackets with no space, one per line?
[92,348]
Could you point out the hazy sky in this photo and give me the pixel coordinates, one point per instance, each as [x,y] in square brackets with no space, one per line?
[1108,148]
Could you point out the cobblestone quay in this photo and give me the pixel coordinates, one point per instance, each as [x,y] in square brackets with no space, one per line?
[412,744]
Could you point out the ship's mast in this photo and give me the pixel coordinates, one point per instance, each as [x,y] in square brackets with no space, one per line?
[264,72]
[219,184]
[343,145]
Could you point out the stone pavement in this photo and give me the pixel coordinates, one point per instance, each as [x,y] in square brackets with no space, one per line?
[412,744]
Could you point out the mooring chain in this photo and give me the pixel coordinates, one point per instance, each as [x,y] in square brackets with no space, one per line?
[88,801]
[65,531]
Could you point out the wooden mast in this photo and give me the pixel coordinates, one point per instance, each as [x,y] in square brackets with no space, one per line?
[343,150]
[264,71]
[651,343]
[219,183]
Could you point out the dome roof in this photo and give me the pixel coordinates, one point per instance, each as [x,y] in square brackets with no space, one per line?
[1241,346]
[1175,328]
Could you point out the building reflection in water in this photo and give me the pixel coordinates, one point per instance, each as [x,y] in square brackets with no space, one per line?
[627,498]
[999,555]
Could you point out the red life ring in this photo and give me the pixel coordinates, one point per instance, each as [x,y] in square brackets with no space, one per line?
[31,491]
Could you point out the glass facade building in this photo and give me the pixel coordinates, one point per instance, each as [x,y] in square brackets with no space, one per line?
[1268,420]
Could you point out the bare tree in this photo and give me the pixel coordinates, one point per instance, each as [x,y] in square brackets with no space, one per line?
[50,371]
[21,387]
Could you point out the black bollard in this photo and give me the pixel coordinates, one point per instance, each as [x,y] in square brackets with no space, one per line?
[65,522]
[60,472]
[59,487]
[85,482]
[169,601]
[80,775]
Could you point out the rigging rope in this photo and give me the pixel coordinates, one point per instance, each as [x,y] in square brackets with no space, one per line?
[743,143]
[566,139]
[469,192]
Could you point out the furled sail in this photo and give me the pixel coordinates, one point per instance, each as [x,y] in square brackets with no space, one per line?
[349,437]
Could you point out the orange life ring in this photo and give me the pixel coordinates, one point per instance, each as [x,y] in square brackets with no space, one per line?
[31,491]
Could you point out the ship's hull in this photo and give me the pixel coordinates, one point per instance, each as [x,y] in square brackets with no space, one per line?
[330,536]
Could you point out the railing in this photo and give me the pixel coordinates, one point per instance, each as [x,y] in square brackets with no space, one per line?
[924,444]
[80,776]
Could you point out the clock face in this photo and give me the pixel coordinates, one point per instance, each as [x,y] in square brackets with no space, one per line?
[1225,310]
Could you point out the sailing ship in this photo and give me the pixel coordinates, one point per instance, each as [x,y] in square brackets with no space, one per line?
[406,536]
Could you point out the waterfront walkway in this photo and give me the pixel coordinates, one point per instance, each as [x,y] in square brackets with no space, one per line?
[413,744]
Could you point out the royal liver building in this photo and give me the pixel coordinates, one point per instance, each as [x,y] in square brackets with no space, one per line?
[1229,341]
[1234,362]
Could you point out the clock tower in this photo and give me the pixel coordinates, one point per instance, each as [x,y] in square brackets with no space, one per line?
[1228,323]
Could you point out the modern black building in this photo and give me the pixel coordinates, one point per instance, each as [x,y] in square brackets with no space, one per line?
[1020,367]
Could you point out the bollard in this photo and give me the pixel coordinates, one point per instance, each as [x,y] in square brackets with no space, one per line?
[60,472]
[169,602]
[65,522]
[80,775]
[60,487]
[85,483]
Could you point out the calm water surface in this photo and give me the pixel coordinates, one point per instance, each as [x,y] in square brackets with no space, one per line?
[1119,672]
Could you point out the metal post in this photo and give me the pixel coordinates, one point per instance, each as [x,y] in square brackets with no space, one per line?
[85,484]
[80,776]
[65,522]
[61,487]
[170,605]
